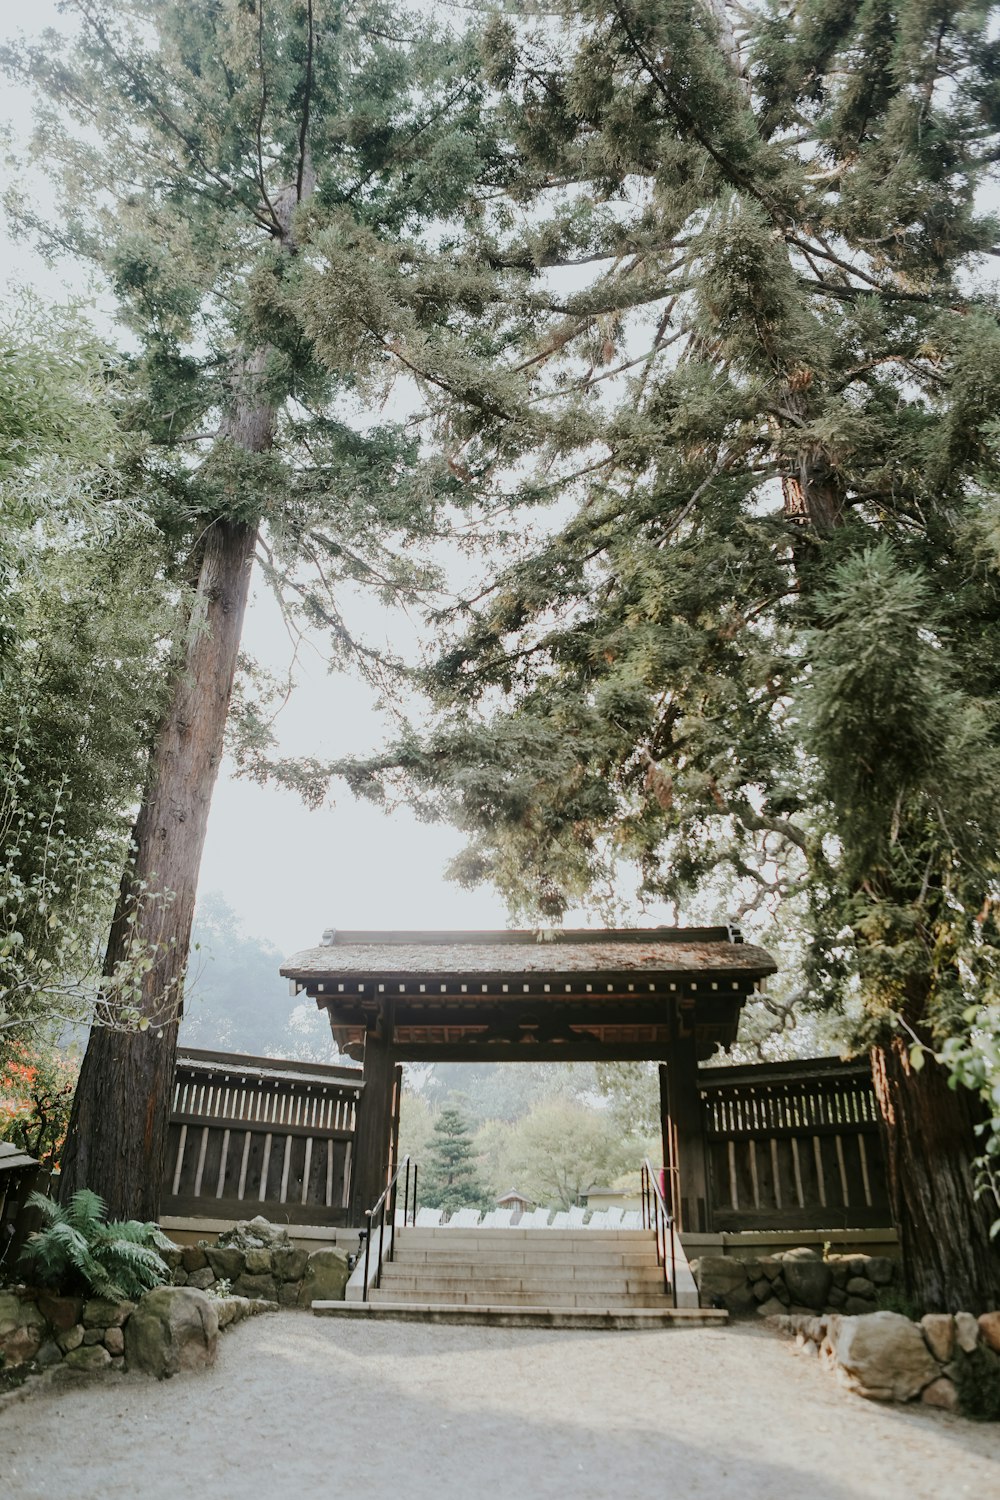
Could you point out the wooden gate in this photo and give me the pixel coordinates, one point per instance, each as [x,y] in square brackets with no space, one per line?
[256,1135]
[793,1146]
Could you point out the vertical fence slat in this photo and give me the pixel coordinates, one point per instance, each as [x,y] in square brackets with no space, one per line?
[217,1096]
[793,1146]
[180,1159]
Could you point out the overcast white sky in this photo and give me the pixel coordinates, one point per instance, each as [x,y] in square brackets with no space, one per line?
[287,872]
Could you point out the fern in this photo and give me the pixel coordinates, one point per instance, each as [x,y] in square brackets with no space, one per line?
[78,1251]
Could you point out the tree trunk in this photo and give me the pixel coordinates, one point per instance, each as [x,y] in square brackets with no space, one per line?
[949,1262]
[121,1110]
[118,1126]
[811,488]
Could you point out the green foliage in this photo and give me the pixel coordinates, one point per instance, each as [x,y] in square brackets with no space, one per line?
[892,1299]
[203,154]
[974,1060]
[555,1152]
[416,1126]
[84,605]
[748,345]
[36,1090]
[633,1094]
[55,395]
[539,1127]
[978,1382]
[757,650]
[451,1179]
[78,1252]
[199,152]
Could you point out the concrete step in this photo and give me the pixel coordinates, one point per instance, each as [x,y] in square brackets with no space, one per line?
[541,1275]
[611,1271]
[500,1286]
[495,1254]
[551,1270]
[489,1296]
[540,1237]
[635,1318]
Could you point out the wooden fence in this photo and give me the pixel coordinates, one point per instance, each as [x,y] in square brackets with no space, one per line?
[255,1135]
[793,1146]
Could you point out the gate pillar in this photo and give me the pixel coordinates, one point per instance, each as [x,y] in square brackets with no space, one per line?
[373,1138]
[684,1145]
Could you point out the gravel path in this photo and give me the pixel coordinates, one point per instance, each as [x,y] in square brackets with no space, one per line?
[304,1407]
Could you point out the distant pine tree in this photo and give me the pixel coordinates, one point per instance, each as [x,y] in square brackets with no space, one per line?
[452,1178]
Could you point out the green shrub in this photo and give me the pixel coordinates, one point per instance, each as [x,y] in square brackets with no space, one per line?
[978,1382]
[79,1252]
[894,1299]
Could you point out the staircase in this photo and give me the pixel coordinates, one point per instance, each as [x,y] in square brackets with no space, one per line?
[524,1277]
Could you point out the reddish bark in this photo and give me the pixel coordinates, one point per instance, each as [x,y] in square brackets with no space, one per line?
[120,1113]
[949,1262]
[118,1127]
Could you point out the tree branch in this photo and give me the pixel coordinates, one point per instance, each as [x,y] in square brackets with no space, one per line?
[304,128]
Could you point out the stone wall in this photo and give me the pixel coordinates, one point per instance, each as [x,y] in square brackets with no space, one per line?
[799,1281]
[44,1337]
[254,1260]
[952,1362]
[39,1328]
[171,1328]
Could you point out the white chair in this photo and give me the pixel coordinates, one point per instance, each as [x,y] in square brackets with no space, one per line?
[614,1218]
[464,1218]
[631,1219]
[560,1220]
[598,1220]
[489,1219]
[537,1219]
[502,1218]
[428,1218]
[577,1217]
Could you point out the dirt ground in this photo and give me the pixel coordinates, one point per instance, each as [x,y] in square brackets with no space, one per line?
[304,1407]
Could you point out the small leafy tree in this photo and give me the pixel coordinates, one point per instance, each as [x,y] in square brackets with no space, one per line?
[78,1251]
[36,1091]
[416,1127]
[558,1151]
[83,609]
[452,1179]
[974,1061]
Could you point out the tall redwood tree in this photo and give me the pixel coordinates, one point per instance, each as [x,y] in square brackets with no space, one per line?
[194,144]
[744,331]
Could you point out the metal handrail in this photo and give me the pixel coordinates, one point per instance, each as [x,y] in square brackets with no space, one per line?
[387,1202]
[657,1216]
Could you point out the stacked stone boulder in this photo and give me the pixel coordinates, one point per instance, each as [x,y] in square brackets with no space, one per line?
[883,1356]
[254,1268]
[257,1260]
[174,1328]
[799,1281]
[39,1328]
[169,1329]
